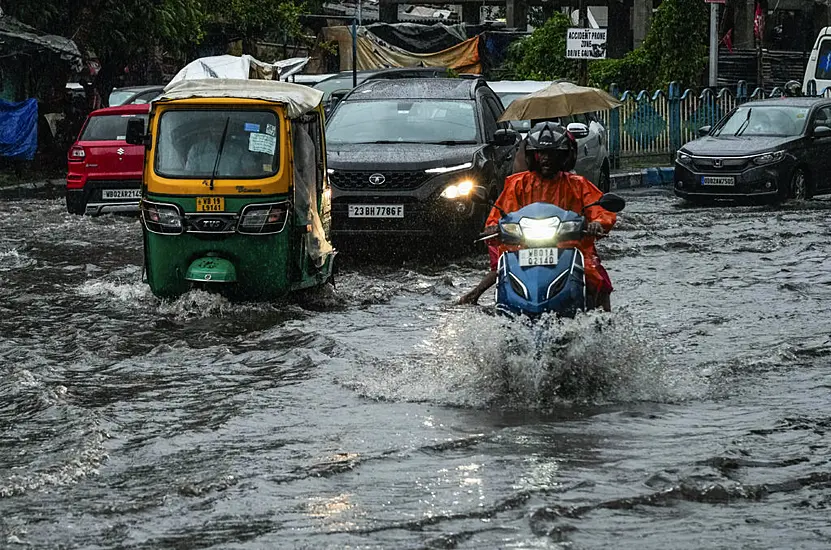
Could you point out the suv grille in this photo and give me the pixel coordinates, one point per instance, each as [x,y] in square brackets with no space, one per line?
[391,180]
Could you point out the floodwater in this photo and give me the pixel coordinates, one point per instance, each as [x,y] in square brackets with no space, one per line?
[381,415]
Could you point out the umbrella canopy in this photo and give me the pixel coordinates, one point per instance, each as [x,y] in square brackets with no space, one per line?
[558,100]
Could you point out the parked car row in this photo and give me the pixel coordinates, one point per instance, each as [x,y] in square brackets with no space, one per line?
[774,149]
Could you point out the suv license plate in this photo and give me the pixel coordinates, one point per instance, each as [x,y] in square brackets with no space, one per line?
[210,204]
[376,210]
[718,180]
[538,256]
[121,194]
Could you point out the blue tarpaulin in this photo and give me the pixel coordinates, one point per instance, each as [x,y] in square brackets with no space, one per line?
[19,129]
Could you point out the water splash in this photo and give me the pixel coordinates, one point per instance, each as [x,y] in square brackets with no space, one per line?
[477,360]
[13,259]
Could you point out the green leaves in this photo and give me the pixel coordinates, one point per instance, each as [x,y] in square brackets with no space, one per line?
[541,56]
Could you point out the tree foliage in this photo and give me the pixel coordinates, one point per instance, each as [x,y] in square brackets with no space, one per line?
[541,56]
[675,49]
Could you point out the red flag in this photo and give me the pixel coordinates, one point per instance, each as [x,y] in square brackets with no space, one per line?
[728,40]
[758,22]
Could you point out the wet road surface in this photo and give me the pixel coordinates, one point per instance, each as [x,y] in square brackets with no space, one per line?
[383,416]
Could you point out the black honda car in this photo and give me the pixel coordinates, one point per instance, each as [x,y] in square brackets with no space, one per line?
[405,155]
[775,149]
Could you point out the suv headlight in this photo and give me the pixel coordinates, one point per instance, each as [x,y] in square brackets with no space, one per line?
[458,190]
[161,218]
[683,158]
[769,158]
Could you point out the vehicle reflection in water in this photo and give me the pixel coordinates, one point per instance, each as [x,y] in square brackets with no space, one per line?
[385,416]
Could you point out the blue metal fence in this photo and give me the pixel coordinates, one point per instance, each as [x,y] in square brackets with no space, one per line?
[658,124]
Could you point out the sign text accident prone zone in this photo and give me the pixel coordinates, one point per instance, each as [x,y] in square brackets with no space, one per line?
[586,44]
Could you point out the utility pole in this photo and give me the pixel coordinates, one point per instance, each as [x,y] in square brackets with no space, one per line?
[360,8]
[713,44]
[584,63]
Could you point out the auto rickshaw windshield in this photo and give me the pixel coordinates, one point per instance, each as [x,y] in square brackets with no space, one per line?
[212,143]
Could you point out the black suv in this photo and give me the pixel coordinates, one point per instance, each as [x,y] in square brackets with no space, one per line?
[404,156]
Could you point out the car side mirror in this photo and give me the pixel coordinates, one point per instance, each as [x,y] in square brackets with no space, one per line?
[578,130]
[704,131]
[479,195]
[822,131]
[610,202]
[135,131]
[505,136]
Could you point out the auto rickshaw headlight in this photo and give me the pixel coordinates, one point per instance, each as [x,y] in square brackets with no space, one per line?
[161,218]
[263,218]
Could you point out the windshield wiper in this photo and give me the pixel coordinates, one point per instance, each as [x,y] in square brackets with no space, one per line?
[744,125]
[452,142]
[219,152]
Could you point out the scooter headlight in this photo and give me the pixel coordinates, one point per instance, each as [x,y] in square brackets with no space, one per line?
[161,218]
[539,230]
[511,230]
[570,227]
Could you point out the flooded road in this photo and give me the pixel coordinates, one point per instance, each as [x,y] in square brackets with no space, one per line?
[697,415]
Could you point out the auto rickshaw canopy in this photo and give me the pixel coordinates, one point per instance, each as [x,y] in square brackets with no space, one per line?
[298,99]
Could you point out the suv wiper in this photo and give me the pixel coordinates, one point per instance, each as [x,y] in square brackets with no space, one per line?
[744,125]
[219,152]
[452,142]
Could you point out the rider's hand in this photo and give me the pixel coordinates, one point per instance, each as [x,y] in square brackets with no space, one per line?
[595,229]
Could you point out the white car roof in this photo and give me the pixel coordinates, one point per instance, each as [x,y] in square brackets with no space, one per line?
[517,86]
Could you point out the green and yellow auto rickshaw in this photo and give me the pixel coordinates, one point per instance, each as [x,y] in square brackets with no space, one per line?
[235,195]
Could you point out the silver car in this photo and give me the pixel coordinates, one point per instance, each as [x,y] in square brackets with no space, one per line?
[592,139]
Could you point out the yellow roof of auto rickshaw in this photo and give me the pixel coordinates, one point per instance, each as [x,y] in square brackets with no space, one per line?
[298,99]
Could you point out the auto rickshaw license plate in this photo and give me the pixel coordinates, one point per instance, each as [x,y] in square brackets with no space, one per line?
[210,204]
[538,256]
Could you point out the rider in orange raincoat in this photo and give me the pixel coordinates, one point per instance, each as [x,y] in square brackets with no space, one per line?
[552,155]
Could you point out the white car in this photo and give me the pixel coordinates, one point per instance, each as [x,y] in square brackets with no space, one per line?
[592,141]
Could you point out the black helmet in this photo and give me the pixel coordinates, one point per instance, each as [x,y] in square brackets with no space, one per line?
[548,136]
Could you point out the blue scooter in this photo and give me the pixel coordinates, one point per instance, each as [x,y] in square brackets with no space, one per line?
[541,277]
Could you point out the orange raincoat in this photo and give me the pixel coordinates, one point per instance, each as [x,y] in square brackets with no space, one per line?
[568,191]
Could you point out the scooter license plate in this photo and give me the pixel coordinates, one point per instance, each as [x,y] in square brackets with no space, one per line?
[210,204]
[538,256]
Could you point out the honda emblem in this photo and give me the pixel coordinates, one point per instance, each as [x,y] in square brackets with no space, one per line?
[718,163]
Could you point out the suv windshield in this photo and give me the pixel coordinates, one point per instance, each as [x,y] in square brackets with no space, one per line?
[108,127]
[403,121]
[189,144]
[764,120]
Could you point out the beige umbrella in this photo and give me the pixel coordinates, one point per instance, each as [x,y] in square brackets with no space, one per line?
[558,100]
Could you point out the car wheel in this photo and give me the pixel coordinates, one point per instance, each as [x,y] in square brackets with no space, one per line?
[799,189]
[604,183]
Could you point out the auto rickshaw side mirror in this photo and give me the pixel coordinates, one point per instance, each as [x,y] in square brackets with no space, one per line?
[135,132]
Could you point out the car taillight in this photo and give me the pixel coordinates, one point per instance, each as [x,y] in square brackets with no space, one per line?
[161,218]
[263,218]
[77,153]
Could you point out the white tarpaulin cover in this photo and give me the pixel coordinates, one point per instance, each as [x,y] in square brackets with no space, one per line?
[242,67]
[305,196]
[297,98]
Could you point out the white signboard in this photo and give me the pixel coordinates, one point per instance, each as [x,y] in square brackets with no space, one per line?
[586,44]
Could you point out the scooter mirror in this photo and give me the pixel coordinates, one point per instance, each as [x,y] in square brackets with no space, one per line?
[612,202]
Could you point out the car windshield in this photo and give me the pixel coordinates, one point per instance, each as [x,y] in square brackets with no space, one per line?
[764,120]
[108,127]
[118,97]
[403,121]
[191,141]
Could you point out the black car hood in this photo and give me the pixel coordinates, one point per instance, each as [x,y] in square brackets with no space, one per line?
[730,146]
[398,156]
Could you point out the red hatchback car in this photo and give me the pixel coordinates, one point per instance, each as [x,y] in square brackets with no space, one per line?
[104,170]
